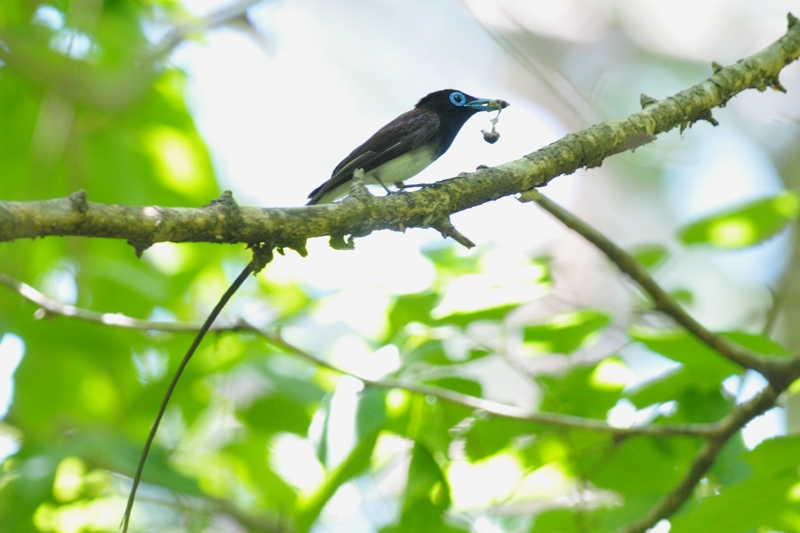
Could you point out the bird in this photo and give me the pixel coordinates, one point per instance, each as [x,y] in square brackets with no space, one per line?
[406,145]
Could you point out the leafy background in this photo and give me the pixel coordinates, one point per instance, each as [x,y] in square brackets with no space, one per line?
[143,102]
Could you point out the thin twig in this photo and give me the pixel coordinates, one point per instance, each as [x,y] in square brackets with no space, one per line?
[198,338]
[465,400]
[50,307]
[179,33]
[498,409]
[704,460]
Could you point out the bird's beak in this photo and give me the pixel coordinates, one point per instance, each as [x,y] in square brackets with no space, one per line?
[484,104]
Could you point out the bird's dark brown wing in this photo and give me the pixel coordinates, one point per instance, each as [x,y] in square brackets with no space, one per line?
[410,130]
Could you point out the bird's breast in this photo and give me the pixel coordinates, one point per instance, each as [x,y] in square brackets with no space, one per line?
[403,167]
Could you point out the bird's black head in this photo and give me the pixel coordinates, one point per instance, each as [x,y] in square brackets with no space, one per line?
[453,109]
[453,103]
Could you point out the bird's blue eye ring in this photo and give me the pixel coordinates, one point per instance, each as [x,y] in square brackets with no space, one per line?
[458,98]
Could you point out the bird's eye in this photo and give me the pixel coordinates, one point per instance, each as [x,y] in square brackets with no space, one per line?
[458,98]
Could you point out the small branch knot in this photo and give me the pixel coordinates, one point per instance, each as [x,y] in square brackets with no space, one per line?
[776,84]
[262,255]
[357,188]
[78,201]
[341,242]
[446,228]
[645,100]
[231,213]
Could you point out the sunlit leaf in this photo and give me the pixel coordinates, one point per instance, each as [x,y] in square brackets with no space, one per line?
[583,390]
[684,348]
[488,435]
[356,462]
[664,461]
[462,385]
[745,225]
[769,497]
[411,308]
[650,255]
[432,352]
[428,421]
[776,455]
[371,412]
[560,520]
[451,261]
[684,296]
[758,343]
[566,333]
[754,503]
[426,498]
[494,314]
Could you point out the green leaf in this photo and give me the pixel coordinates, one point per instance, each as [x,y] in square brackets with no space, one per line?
[758,343]
[567,332]
[277,412]
[670,386]
[585,390]
[745,225]
[768,498]
[411,308]
[490,434]
[431,351]
[259,477]
[462,385]
[684,296]
[462,320]
[664,461]
[451,260]
[426,481]
[698,407]
[426,498]
[357,462]
[745,507]
[775,455]
[730,466]
[422,516]
[428,421]
[703,369]
[558,521]
[370,412]
[682,347]
[650,255]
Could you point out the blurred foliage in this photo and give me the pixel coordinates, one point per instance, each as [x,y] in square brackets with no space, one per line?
[745,225]
[267,440]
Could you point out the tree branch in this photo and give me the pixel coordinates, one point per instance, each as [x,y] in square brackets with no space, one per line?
[52,307]
[779,372]
[498,409]
[291,227]
[773,369]
[704,460]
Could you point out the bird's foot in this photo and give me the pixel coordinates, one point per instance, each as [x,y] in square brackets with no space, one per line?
[403,186]
[385,188]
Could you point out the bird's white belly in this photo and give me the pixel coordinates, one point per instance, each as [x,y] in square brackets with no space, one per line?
[398,169]
[401,168]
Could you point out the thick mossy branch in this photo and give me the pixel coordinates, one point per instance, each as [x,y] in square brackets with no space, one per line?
[356,217]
